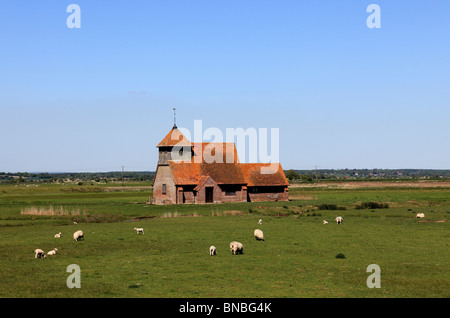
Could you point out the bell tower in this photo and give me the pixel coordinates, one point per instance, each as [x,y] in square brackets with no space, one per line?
[164,189]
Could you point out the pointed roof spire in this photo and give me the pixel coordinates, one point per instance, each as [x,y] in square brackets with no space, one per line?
[174,138]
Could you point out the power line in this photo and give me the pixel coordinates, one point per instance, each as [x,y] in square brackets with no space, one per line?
[316,174]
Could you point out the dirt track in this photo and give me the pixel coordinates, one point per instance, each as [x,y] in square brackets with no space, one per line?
[374,184]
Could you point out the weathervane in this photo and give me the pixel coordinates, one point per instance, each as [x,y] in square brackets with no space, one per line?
[174,118]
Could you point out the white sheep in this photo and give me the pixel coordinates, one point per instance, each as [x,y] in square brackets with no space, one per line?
[139,230]
[236,248]
[260,222]
[58,235]
[78,235]
[259,235]
[325,222]
[39,253]
[420,215]
[52,252]
[339,219]
[212,250]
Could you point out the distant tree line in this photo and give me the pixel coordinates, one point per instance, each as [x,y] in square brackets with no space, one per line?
[291,174]
[365,174]
[50,177]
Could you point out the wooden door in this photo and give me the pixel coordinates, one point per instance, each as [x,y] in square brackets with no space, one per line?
[209,194]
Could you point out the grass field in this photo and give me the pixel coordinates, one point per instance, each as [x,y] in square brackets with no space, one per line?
[297,259]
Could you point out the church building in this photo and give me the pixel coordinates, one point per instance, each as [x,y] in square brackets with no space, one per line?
[208,172]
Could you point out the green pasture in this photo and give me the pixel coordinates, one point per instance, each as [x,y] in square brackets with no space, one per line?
[297,259]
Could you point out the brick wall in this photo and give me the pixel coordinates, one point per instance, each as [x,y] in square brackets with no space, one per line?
[219,195]
[164,176]
[280,195]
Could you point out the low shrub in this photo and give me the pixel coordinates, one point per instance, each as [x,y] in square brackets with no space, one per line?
[330,207]
[372,205]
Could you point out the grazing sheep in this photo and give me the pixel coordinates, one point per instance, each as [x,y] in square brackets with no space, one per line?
[420,215]
[212,250]
[52,252]
[78,235]
[325,222]
[236,248]
[58,235]
[39,253]
[139,230]
[259,235]
[75,223]
[260,222]
[339,219]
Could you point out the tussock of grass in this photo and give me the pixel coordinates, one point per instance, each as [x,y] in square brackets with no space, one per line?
[175,215]
[169,215]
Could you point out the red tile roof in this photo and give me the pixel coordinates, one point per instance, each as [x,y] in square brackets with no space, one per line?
[223,173]
[263,174]
[220,162]
[219,152]
[189,173]
[185,173]
[250,174]
[174,138]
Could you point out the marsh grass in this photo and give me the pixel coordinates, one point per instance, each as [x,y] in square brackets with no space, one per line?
[297,258]
[33,210]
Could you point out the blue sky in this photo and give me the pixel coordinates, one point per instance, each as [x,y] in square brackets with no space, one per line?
[343,95]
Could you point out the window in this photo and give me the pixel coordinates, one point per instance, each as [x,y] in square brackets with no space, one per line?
[230,193]
[164,189]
